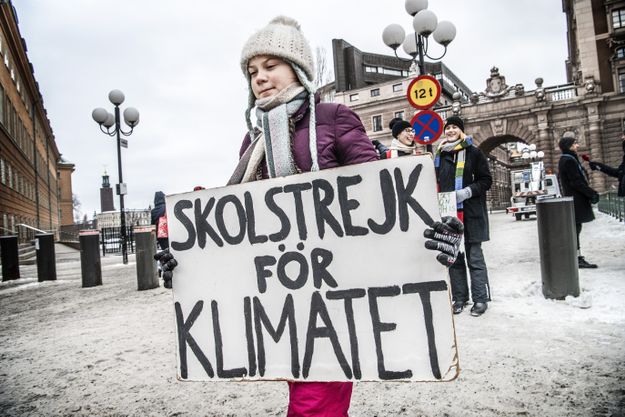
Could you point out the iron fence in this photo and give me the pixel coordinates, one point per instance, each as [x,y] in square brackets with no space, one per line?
[110,240]
[611,204]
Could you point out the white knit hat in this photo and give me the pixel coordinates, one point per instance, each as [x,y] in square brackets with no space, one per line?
[283,38]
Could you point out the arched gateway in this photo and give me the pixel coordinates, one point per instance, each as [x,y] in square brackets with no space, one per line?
[503,114]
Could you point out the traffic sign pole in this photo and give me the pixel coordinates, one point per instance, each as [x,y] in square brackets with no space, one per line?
[424,92]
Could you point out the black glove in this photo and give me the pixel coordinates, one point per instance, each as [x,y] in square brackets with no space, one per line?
[445,236]
[594,199]
[593,165]
[168,263]
[380,147]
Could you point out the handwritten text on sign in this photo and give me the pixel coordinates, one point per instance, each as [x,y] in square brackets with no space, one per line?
[318,277]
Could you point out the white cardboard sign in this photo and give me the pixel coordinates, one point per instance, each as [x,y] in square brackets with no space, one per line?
[314,277]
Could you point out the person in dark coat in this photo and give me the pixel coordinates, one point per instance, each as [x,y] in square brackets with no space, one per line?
[157,212]
[574,183]
[618,173]
[462,168]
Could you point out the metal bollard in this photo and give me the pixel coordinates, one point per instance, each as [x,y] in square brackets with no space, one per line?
[90,266]
[145,249]
[46,257]
[558,247]
[9,252]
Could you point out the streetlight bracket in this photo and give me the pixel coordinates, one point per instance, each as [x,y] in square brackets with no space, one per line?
[434,58]
[404,59]
[126,133]
[107,131]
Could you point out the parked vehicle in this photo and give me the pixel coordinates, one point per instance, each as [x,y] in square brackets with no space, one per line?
[528,186]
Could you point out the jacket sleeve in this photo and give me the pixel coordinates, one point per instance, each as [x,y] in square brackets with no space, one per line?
[572,175]
[353,146]
[608,170]
[482,179]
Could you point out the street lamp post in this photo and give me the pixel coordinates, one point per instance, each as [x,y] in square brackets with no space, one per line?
[535,159]
[108,120]
[425,23]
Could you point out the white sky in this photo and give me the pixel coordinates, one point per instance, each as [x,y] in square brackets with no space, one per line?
[178,64]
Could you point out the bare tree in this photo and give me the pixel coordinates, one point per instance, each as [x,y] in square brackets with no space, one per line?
[76,208]
[323,72]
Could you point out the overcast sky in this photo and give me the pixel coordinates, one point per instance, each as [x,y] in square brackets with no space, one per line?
[178,64]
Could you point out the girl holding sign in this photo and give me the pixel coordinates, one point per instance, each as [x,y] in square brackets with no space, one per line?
[294,133]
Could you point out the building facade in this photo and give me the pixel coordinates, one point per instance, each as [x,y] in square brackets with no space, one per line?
[30,189]
[375,85]
[66,197]
[133,218]
[591,104]
[596,63]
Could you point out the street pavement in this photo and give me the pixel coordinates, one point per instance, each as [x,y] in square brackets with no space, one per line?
[110,350]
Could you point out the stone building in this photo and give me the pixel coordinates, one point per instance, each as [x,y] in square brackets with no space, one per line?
[65,192]
[591,104]
[375,85]
[133,218]
[596,66]
[30,162]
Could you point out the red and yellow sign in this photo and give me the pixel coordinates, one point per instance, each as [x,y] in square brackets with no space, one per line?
[423,92]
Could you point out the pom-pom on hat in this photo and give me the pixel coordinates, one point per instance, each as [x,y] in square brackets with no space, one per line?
[456,121]
[283,38]
[398,125]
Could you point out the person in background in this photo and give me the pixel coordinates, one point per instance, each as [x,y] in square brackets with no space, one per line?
[159,219]
[574,183]
[403,143]
[618,173]
[462,168]
[295,132]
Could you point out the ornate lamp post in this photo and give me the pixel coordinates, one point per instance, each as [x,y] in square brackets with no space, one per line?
[110,124]
[425,23]
[534,158]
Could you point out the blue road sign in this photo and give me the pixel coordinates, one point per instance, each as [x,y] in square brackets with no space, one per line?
[428,126]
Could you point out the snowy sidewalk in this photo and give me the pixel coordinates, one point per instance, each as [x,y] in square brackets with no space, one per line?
[110,350]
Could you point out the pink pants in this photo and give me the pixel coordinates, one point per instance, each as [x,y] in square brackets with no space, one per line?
[319,399]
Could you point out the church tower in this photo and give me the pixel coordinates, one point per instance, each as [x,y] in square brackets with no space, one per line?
[106,195]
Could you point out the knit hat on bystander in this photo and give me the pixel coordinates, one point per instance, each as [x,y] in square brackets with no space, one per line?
[456,121]
[567,140]
[397,126]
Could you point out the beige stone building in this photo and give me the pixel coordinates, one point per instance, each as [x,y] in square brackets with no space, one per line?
[592,103]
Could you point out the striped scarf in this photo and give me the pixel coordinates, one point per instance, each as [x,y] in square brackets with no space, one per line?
[459,147]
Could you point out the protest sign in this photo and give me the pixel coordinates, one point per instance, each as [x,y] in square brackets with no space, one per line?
[314,277]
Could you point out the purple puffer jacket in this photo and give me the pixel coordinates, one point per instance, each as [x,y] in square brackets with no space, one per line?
[341,140]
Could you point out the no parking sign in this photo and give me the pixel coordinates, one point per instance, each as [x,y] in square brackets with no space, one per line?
[428,126]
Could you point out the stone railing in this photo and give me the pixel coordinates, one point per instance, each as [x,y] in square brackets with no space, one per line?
[561,92]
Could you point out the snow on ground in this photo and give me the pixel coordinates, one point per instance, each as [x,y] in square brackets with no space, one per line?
[110,350]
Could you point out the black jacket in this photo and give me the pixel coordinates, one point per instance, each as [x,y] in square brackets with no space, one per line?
[574,183]
[616,173]
[159,207]
[477,176]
